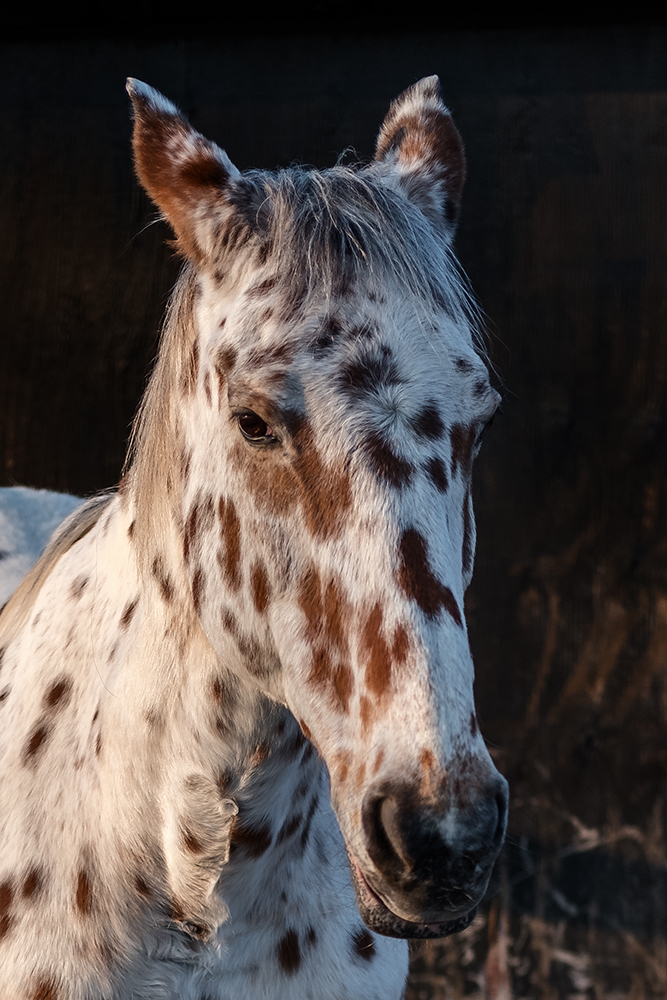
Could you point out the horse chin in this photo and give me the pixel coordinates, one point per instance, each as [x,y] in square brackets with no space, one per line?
[376,914]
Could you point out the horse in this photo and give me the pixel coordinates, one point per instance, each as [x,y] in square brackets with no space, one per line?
[239,752]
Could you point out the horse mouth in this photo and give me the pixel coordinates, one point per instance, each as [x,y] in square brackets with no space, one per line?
[377,915]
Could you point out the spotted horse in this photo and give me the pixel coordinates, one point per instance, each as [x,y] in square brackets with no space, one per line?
[238,743]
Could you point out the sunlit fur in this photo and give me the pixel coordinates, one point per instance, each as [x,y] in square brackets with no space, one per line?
[236,708]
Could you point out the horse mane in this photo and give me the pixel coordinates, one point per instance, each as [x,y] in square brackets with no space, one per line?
[74,527]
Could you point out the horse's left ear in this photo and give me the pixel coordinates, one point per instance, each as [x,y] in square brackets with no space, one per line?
[419,147]
[186,175]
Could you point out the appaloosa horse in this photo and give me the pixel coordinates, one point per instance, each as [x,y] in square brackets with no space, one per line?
[239,754]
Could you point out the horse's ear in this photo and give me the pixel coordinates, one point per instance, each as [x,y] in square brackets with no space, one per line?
[419,148]
[186,175]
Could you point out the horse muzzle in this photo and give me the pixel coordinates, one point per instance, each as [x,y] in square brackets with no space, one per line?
[430,867]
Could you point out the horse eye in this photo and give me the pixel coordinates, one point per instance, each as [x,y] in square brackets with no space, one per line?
[253,427]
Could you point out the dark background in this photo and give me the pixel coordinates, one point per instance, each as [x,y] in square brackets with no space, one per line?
[564,236]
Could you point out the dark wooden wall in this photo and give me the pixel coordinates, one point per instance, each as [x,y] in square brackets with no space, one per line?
[564,235]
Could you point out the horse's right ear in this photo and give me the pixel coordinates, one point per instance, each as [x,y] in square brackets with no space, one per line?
[186,175]
[419,150]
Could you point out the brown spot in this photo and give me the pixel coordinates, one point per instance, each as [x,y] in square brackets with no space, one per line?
[229,555]
[190,842]
[260,587]
[58,694]
[3,650]
[341,765]
[32,883]
[289,953]
[360,775]
[386,463]
[108,953]
[191,370]
[427,759]
[190,530]
[229,622]
[378,660]
[186,459]
[262,287]
[223,364]
[418,581]
[163,580]
[311,936]
[45,989]
[289,828]
[336,611]
[5,924]
[83,893]
[310,601]
[176,911]
[363,944]
[463,442]
[219,691]
[323,492]
[6,896]
[200,518]
[142,887]
[207,387]
[37,738]
[400,644]
[320,672]
[301,790]
[3,694]
[130,529]
[260,754]
[343,682]
[78,586]
[305,730]
[224,781]
[369,372]
[466,552]
[437,473]
[305,833]
[365,712]
[128,613]
[428,423]
[253,841]
[379,758]
[198,583]
[98,744]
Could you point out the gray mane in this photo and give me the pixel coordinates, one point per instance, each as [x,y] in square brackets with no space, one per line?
[325,229]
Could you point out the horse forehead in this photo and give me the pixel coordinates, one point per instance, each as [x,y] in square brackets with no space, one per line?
[374,341]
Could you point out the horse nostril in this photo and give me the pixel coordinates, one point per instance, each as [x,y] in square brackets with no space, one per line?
[385,843]
[390,822]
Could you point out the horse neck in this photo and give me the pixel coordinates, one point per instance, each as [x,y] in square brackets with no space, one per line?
[186,735]
[171,680]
